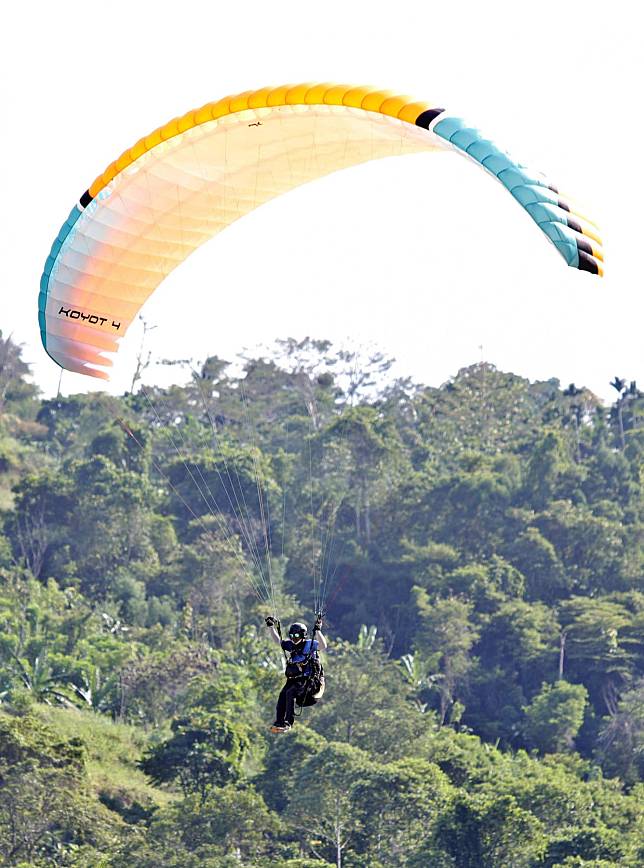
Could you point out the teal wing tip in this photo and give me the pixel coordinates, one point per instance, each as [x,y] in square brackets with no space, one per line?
[533,192]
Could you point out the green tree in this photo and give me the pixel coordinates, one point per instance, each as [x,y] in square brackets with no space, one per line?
[400,801]
[555,716]
[599,649]
[46,809]
[595,845]
[16,393]
[329,821]
[548,462]
[43,503]
[227,821]
[284,760]
[537,559]
[590,547]
[373,445]
[480,409]
[621,739]
[445,640]
[522,639]
[367,703]
[482,832]
[212,740]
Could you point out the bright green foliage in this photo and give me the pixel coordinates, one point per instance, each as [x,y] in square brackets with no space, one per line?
[322,808]
[445,641]
[401,800]
[547,465]
[111,752]
[600,646]
[536,558]
[45,807]
[555,716]
[522,639]
[224,820]
[590,547]
[621,743]
[212,741]
[368,702]
[17,394]
[479,832]
[56,648]
[596,845]
[283,761]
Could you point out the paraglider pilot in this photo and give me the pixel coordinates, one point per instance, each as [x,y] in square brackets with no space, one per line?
[304,673]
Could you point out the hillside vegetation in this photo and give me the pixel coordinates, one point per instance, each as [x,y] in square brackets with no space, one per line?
[478,549]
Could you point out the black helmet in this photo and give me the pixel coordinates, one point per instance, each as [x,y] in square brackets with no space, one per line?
[297,631]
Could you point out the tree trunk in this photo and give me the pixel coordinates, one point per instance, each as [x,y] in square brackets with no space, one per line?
[562,653]
[33,539]
[610,697]
[121,698]
[367,514]
[443,708]
[620,417]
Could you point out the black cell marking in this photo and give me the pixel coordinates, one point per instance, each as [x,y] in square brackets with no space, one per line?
[85,199]
[563,205]
[425,118]
[587,263]
[584,246]
[552,187]
[574,225]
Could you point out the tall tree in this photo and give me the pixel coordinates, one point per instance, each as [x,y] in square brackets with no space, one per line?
[445,640]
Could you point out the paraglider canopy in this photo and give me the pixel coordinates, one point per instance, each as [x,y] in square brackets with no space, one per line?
[189,179]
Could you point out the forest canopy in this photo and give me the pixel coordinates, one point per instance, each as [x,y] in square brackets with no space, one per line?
[478,547]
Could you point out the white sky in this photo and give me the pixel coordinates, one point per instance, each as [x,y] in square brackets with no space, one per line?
[425,255]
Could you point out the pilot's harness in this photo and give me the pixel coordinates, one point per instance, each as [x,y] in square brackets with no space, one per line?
[314,681]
